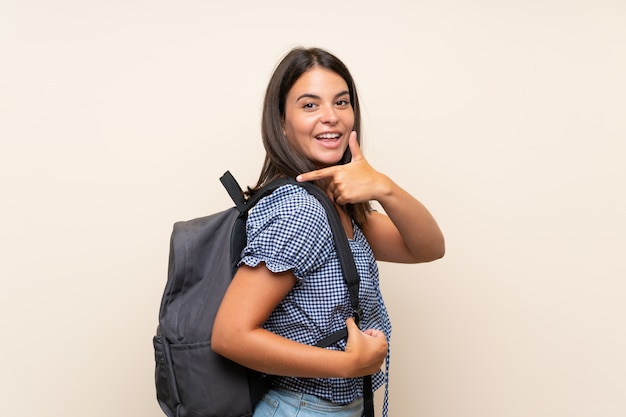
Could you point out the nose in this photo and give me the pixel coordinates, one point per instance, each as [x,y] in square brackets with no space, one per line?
[329,116]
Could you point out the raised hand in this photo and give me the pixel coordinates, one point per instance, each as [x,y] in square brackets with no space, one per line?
[406,232]
[354,182]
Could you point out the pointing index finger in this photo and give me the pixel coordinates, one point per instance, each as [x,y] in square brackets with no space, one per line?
[315,175]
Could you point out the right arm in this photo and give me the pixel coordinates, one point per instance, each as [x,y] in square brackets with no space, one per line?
[238,333]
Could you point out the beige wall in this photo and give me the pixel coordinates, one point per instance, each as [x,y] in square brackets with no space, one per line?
[506,118]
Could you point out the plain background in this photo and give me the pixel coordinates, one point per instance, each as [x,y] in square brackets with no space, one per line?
[507,119]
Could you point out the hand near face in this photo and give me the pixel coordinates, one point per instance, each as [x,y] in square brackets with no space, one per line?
[355,182]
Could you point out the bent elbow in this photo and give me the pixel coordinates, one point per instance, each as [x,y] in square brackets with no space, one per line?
[440,250]
[227,340]
[440,253]
[221,339]
[436,250]
[217,343]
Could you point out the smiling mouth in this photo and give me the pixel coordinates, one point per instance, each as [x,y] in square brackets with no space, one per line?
[328,136]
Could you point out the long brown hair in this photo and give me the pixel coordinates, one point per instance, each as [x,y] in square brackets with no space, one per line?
[281,159]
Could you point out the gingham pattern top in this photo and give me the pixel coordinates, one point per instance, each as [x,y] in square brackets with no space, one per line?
[289,230]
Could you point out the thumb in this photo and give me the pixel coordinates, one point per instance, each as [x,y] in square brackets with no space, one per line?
[351,326]
[355,149]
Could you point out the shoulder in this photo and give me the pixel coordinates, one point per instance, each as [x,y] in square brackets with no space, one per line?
[288,229]
[287,201]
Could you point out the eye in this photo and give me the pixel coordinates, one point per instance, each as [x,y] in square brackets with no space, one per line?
[309,106]
[342,102]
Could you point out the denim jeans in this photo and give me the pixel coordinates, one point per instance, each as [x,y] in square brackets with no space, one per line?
[284,403]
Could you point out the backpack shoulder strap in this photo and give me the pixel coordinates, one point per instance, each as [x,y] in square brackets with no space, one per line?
[234,190]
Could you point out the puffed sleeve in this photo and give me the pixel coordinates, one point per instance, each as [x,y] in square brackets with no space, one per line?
[288,230]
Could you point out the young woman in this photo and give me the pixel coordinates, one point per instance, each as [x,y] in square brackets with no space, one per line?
[289,292]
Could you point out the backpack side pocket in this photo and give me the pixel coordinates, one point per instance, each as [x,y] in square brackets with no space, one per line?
[165,382]
[209,385]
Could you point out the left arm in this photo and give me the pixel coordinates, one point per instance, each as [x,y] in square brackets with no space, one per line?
[407,234]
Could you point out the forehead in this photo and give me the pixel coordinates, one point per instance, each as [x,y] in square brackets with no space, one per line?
[319,81]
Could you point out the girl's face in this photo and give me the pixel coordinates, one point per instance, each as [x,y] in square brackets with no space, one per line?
[319,116]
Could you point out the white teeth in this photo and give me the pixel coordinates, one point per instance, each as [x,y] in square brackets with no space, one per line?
[328,136]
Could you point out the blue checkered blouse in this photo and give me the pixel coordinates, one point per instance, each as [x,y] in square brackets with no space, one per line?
[288,230]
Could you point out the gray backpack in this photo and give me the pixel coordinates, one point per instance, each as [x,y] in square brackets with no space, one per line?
[192,380]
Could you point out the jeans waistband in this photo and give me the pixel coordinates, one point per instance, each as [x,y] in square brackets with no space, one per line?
[302,400]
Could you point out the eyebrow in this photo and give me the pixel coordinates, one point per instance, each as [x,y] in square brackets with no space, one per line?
[315,97]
